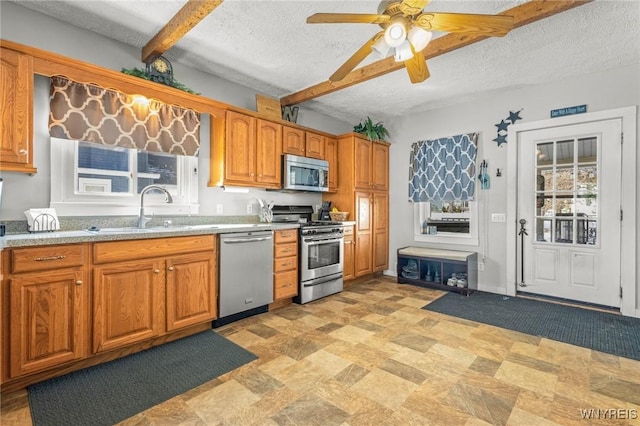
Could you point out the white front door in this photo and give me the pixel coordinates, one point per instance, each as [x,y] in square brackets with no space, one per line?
[569,189]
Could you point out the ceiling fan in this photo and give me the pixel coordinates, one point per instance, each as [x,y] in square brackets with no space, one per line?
[408,29]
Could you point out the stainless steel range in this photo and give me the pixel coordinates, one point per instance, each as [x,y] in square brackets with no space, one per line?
[321,253]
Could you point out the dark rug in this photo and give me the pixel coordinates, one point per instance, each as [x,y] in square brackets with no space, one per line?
[111,392]
[601,331]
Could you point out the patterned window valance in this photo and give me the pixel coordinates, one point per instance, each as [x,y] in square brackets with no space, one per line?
[91,113]
[443,169]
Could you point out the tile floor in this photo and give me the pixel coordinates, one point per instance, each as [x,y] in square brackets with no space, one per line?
[371,356]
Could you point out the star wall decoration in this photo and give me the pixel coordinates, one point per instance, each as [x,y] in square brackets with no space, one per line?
[504,124]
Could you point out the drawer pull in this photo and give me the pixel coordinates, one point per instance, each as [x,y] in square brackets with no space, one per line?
[79,282]
[42,259]
[171,268]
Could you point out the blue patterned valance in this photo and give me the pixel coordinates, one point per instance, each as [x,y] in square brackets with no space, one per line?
[443,169]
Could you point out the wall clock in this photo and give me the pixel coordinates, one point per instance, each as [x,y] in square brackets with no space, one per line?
[160,70]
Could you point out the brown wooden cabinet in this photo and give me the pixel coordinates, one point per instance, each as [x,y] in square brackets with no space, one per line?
[145,288]
[363,192]
[293,141]
[348,272]
[314,145]
[44,308]
[252,151]
[16,110]
[331,156]
[285,264]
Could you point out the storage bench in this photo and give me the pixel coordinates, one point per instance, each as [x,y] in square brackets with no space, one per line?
[442,269]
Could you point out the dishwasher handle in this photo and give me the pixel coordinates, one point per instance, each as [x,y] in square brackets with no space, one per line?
[245,240]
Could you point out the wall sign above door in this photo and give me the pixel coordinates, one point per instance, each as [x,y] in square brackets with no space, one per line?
[578,109]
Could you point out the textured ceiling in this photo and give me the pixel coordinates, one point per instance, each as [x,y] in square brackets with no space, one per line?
[266,45]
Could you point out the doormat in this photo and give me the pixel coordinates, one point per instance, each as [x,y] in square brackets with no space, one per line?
[600,331]
[114,391]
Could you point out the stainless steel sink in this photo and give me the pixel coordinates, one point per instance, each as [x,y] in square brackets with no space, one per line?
[124,230]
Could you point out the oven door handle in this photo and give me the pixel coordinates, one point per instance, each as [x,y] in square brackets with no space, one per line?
[324,280]
[315,242]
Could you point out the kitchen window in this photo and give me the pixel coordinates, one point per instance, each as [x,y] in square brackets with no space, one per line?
[450,222]
[97,180]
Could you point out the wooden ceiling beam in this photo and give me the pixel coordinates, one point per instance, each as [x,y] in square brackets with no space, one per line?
[523,14]
[188,17]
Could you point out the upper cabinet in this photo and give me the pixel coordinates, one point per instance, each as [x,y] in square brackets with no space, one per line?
[314,145]
[293,141]
[372,168]
[331,156]
[252,151]
[16,110]
[302,143]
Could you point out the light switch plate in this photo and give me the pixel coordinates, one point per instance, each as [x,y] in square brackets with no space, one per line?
[498,217]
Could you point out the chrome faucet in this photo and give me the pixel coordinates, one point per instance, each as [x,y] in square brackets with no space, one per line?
[142,220]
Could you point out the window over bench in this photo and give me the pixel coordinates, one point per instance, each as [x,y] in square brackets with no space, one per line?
[442,188]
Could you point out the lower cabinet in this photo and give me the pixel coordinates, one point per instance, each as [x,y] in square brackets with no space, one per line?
[285,264]
[349,253]
[57,311]
[45,304]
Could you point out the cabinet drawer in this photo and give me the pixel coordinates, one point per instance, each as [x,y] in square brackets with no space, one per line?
[49,257]
[348,230]
[286,236]
[285,250]
[285,264]
[285,285]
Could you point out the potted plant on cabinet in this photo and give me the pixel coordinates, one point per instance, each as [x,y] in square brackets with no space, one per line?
[372,131]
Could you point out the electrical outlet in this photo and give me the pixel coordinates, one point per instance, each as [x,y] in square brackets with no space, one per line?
[480,266]
[317,208]
[249,208]
[498,217]
[219,209]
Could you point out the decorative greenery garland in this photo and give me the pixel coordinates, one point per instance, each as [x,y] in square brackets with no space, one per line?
[136,72]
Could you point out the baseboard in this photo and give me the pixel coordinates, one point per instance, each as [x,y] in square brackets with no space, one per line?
[492,289]
[390,273]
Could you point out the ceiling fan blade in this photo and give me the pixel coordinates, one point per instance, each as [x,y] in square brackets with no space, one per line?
[355,59]
[347,18]
[490,25]
[412,7]
[417,68]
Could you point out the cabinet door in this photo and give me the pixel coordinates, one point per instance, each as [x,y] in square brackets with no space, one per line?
[240,148]
[128,303]
[380,232]
[331,155]
[293,141]
[362,164]
[268,154]
[380,166]
[363,237]
[314,144]
[48,320]
[16,110]
[349,252]
[191,289]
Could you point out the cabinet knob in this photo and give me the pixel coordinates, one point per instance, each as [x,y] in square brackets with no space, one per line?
[23,151]
[79,282]
[157,271]
[171,268]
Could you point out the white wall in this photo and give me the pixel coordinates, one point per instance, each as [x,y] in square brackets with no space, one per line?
[21,192]
[613,89]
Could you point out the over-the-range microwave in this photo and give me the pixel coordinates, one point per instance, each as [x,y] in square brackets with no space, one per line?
[304,174]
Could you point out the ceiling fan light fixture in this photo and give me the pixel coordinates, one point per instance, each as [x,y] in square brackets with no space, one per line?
[381,47]
[419,38]
[396,33]
[403,52]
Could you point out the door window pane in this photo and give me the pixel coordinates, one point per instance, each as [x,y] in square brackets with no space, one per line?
[564,152]
[545,204]
[545,154]
[587,232]
[564,205]
[543,230]
[564,231]
[587,150]
[564,179]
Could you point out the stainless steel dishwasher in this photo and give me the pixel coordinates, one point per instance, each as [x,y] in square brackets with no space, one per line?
[246,275]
